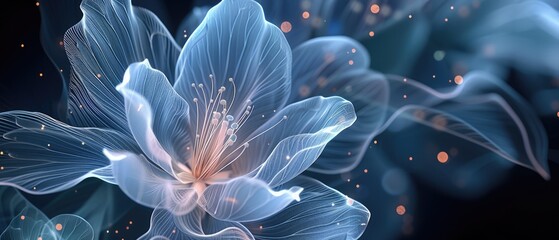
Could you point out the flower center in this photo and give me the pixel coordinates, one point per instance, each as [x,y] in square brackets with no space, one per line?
[216,131]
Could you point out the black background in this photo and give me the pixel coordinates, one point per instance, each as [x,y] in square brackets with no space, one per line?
[524,206]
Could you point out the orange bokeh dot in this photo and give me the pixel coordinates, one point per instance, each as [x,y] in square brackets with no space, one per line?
[22,217]
[442,157]
[371,34]
[401,210]
[285,27]
[375,8]
[58,227]
[458,79]
[306,15]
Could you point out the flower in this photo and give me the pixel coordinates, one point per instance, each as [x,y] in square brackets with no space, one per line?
[203,135]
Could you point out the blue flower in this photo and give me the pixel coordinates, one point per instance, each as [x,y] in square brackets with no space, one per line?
[203,135]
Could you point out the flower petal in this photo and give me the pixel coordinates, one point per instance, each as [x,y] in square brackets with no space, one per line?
[67,226]
[41,155]
[481,111]
[294,138]
[28,222]
[192,226]
[111,36]
[338,67]
[322,213]
[149,185]
[236,48]
[245,199]
[157,116]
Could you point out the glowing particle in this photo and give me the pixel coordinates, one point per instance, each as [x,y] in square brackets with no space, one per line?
[306,15]
[371,34]
[116,231]
[40,74]
[451,7]
[349,201]
[2,152]
[61,43]
[350,62]
[22,45]
[410,16]
[353,50]
[558,114]
[439,55]
[285,27]
[405,96]
[375,8]
[400,210]
[357,186]
[39,238]
[42,127]
[458,79]
[260,227]
[410,158]
[442,157]
[366,170]
[58,227]
[1,168]
[349,153]
[130,222]
[98,75]
[375,141]
[37,4]
[434,76]
[287,157]
[22,217]
[445,19]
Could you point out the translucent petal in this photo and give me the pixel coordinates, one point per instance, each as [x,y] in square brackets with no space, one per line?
[56,18]
[28,222]
[41,155]
[245,199]
[236,48]
[149,185]
[111,36]
[322,213]
[192,226]
[157,116]
[481,111]
[505,25]
[67,226]
[329,66]
[294,138]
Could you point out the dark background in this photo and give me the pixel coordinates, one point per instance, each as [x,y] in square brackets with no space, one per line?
[525,205]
